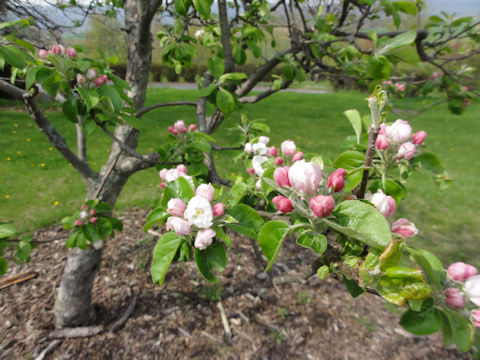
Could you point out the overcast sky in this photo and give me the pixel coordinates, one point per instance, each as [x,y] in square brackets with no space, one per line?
[460,7]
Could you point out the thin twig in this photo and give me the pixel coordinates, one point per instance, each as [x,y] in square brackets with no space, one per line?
[52,346]
[85,331]
[143,111]
[226,325]
[123,319]
[28,275]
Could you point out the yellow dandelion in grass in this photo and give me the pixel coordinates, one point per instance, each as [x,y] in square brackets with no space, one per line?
[50,148]
[42,164]
[9,158]
[14,132]
[7,196]
[94,163]
[452,149]
[28,139]
[16,125]
[19,152]
[56,203]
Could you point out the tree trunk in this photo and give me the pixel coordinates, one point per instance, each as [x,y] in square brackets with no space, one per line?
[73,306]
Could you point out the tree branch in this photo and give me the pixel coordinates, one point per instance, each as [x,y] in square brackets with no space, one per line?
[225,36]
[81,141]
[52,134]
[143,111]
[256,98]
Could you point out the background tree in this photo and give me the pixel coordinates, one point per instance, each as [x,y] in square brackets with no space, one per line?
[325,41]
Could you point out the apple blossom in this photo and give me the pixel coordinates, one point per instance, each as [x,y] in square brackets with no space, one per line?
[182,168]
[280,175]
[43,53]
[472,289]
[322,205]
[93,220]
[298,156]
[71,52]
[288,148]
[476,317]
[92,212]
[179,225]
[84,207]
[248,148]
[78,222]
[98,244]
[387,82]
[399,131]
[382,142]
[218,209]
[81,79]
[172,130]
[283,204]
[461,271]
[176,207]
[406,150]
[58,49]
[273,151]
[98,81]
[384,203]
[435,75]
[404,228]
[257,162]
[454,298]
[104,78]
[251,171]
[91,74]
[163,174]
[382,129]
[279,161]
[192,127]
[400,87]
[206,191]
[199,212]
[259,148]
[336,179]
[419,137]
[305,177]
[264,139]
[199,33]
[204,238]
[179,125]
[83,215]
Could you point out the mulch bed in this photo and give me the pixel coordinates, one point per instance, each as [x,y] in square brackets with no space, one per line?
[181,319]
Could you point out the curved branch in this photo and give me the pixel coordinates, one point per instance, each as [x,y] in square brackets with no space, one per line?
[256,98]
[143,111]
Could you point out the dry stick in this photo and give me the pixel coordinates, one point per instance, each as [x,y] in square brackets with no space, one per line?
[52,346]
[83,331]
[372,137]
[123,319]
[226,326]
[17,279]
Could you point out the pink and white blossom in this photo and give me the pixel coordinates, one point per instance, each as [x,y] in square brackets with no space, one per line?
[384,203]
[179,125]
[322,205]
[259,148]
[248,148]
[204,238]
[288,148]
[91,74]
[419,137]
[404,228]
[264,139]
[472,289]
[399,131]
[336,180]
[218,209]
[476,317]
[280,175]
[179,225]
[297,156]
[206,191]
[71,52]
[382,142]
[454,298]
[257,162]
[199,212]
[176,207]
[406,150]
[43,53]
[81,79]
[305,176]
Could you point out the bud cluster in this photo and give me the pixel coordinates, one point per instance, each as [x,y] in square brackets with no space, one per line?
[179,128]
[58,50]
[86,216]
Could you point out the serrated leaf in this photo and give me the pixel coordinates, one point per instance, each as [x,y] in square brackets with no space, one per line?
[163,254]
[270,239]
[212,259]
[225,101]
[356,121]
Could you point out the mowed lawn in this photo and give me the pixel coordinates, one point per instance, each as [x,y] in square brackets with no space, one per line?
[39,187]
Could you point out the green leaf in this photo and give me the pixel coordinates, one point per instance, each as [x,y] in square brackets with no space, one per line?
[379,67]
[406,54]
[323,271]
[89,96]
[70,110]
[398,41]
[429,162]
[406,7]
[225,101]
[352,287]
[270,239]
[236,193]
[182,6]
[183,189]
[318,242]
[207,90]
[220,234]
[462,329]
[213,258]
[3,266]
[7,230]
[356,120]
[111,93]
[216,67]
[362,222]
[431,265]
[349,160]
[260,126]
[239,56]
[13,56]
[163,254]
[424,322]
[156,217]
[236,76]
[202,7]
[30,78]
[249,222]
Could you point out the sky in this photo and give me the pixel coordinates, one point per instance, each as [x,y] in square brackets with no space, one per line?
[460,7]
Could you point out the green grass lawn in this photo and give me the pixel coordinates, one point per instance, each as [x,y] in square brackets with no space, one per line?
[39,187]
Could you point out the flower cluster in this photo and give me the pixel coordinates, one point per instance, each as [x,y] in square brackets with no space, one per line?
[94,78]
[195,216]
[86,216]
[58,50]
[179,128]
[398,139]
[399,87]
[169,175]
[470,290]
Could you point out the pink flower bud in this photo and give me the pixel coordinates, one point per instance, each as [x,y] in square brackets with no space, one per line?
[174,131]
[461,271]
[258,184]
[206,191]
[322,205]
[419,137]
[399,131]
[93,220]
[264,140]
[58,49]
[248,148]
[283,204]
[273,151]
[163,174]
[78,222]
[43,53]
[400,87]
[406,150]
[179,225]
[387,82]
[92,212]
[454,298]
[184,130]
[392,206]
[179,125]
[71,52]
[104,78]
[305,177]
[288,148]
[182,168]
[91,74]
[279,161]
[298,156]
[81,79]
[192,127]
[435,75]
[204,238]
[384,203]
[49,52]
[280,175]
[383,129]
[466,102]
[382,142]
[84,207]
[404,228]
[336,179]
[472,289]
[251,171]
[162,185]
[176,207]
[476,317]
[98,81]
[218,209]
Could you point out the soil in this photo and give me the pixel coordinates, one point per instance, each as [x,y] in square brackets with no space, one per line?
[181,319]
